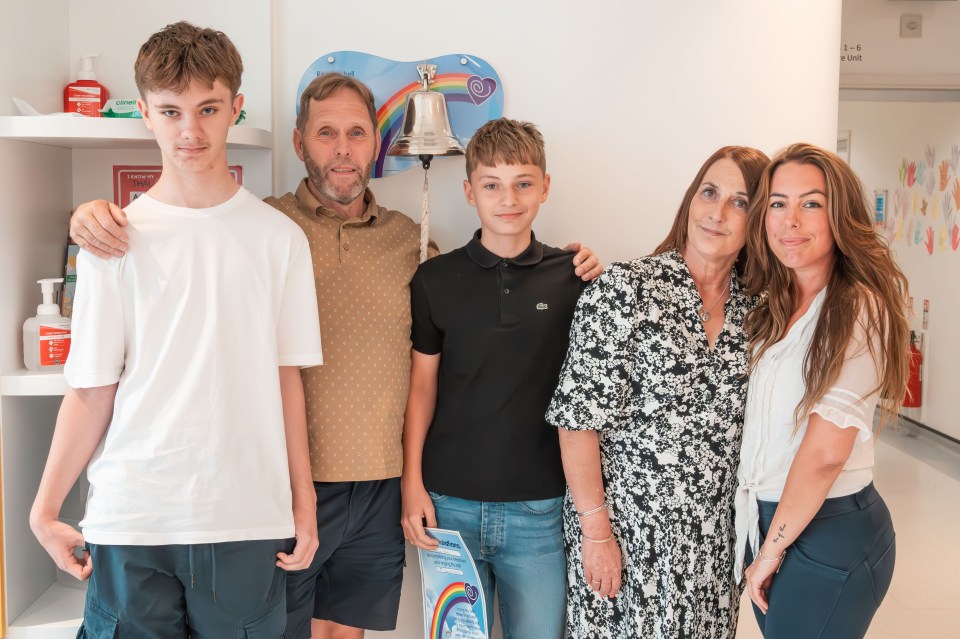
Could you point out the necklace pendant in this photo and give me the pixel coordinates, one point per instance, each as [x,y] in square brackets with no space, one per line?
[705,317]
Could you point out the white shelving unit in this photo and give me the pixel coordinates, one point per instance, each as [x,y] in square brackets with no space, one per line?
[29,402]
[56,614]
[30,383]
[41,603]
[108,133]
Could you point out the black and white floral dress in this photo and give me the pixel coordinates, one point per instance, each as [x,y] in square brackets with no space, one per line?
[669,412]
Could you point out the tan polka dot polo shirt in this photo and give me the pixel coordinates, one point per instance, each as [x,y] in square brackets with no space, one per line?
[355,401]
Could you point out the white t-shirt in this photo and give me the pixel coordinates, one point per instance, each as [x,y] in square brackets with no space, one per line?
[194,322]
[769,444]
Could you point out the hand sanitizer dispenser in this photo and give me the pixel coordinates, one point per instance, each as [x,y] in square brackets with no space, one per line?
[46,337]
[85,95]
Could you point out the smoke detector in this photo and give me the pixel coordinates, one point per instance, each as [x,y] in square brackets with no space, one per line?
[911,26]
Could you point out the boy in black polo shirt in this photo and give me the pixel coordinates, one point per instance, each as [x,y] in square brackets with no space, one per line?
[490,330]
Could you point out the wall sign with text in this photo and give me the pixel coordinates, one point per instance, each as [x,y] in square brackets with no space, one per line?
[130,182]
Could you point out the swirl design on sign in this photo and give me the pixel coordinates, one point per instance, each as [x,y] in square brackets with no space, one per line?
[480,89]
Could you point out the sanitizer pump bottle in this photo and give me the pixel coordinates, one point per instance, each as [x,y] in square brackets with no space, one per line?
[46,337]
[85,95]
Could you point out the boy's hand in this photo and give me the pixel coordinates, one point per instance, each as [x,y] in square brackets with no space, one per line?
[305,531]
[417,507]
[586,264]
[97,227]
[59,540]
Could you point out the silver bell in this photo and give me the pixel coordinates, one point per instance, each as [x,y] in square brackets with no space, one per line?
[426,129]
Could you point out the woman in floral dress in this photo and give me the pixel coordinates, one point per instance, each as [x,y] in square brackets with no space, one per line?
[650,406]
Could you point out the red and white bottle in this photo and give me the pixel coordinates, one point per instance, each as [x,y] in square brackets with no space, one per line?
[85,96]
[46,337]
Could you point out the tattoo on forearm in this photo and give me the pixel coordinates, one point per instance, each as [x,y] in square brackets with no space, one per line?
[780,533]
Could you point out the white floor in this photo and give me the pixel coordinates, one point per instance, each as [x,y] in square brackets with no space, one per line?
[920,481]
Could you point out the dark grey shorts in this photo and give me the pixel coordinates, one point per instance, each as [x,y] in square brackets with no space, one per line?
[204,591]
[355,576]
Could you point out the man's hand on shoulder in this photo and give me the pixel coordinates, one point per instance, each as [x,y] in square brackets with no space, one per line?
[586,265]
[97,227]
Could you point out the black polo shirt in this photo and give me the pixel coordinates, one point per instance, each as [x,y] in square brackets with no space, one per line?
[502,328]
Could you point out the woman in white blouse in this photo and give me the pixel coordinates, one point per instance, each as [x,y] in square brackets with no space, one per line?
[828,341]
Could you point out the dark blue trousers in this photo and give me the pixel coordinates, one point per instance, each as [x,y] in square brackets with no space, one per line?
[202,591]
[835,574]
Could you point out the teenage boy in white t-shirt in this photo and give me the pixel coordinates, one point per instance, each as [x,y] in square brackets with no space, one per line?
[185,394]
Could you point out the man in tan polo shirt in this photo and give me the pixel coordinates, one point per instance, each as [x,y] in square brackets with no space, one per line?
[364,257]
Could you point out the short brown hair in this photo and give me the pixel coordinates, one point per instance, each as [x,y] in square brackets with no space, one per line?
[506,141]
[324,86]
[180,53]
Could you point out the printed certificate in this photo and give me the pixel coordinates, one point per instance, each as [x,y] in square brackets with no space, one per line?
[453,602]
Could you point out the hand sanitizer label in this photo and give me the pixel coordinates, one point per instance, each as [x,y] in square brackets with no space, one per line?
[54,344]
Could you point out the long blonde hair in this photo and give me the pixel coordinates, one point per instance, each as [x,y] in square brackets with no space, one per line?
[865,282]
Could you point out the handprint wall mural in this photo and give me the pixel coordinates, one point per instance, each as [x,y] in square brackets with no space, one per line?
[925,203]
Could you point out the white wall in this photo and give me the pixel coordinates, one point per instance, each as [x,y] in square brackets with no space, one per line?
[33,241]
[889,125]
[882,135]
[37,81]
[116,30]
[32,245]
[875,25]
[631,96]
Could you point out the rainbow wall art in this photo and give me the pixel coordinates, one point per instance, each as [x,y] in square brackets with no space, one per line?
[472,89]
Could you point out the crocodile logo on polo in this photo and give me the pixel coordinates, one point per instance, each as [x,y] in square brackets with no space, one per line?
[542,306]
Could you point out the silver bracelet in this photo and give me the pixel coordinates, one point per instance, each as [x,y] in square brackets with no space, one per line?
[585,513]
[778,559]
[598,541]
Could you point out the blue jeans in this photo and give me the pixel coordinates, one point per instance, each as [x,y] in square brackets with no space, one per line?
[518,550]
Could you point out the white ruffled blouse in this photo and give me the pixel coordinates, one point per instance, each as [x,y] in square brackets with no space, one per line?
[769,444]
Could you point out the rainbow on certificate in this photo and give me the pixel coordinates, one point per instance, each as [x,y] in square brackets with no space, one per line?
[452,595]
